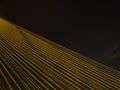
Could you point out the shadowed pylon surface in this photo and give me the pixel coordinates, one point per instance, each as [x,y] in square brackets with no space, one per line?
[28,61]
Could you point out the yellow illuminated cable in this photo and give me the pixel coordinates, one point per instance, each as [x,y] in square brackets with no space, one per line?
[39,64]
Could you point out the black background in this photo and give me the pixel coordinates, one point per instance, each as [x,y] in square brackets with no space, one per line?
[87,27]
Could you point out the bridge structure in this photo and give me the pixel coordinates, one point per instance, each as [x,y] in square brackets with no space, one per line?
[29,61]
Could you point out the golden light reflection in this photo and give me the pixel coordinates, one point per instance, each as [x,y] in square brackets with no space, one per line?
[29,61]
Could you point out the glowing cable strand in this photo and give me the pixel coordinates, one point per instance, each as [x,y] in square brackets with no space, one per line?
[27,71]
[2,87]
[4,54]
[87,59]
[92,69]
[108,81]
[82,72]
[34,72]
[103,68]
[13,80]
[50,73]
[99,67]
[38,41]
[54,72]
[27,40]
[67,60]
[116,74]
[10,77]
[5,79]
[21,79]
[26,78]
[9,86]
[71,52]
[101,77]
[17,78]
[54,63]
[67,75]
[22,72]
[10,41]
[43,79]
[15,73]
[36,35]
[83,63]
[79,76]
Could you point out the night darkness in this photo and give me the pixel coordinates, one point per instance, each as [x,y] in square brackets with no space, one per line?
[87,27]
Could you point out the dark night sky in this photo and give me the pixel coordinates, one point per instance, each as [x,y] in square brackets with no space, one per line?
[87,27]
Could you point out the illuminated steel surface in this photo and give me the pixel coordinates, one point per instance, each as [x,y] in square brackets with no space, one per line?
[28,61]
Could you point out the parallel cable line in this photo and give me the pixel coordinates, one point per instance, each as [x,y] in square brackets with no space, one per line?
[23,68]
[99,75]
[31,62]
[75,54]
[12,64]
[77,59]
[9,86]
[16,73]
[3,86]
[62,48]
[10,77]
[47,59]
[85,64]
